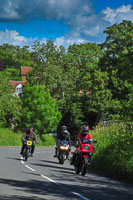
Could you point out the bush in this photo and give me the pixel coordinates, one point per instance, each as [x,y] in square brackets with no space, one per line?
[113,156]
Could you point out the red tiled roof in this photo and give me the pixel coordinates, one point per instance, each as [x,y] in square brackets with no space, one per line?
[15,83]
[24,70]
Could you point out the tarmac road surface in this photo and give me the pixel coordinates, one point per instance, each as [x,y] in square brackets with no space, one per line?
[42,177]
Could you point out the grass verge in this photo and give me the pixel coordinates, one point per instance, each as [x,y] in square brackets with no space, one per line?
[9,138]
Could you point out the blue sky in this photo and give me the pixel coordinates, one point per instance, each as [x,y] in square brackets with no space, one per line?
[65,21]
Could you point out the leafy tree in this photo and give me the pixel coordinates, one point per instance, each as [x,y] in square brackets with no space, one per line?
[15,57]
[40,109]
[66,73]
[117,61]
[13,74]
[10,105]
[91,81]
[49,59]
[57,71]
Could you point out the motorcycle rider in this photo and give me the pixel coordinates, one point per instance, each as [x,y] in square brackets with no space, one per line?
[64,135]
[29,135]
[83,135]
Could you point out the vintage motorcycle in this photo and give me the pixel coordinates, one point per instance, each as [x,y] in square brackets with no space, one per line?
[63,151]
[83,155]
[27,149]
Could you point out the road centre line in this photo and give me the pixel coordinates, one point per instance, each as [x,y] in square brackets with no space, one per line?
[75,193]
[30,168]
[81,196]
[50,179]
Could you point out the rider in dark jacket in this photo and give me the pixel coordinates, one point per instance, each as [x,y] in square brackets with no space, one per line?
[64,135]
[29,135]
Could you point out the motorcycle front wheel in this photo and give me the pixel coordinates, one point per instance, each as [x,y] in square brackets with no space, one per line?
[61,157]
[26,154]
[84,166]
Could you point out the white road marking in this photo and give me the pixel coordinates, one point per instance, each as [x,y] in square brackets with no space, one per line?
[80,196]
[50,179]
[22,162]
[75,193]
[30,168]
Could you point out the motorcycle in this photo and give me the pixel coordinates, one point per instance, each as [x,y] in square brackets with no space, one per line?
[83,156]
[63,151]
[27,149]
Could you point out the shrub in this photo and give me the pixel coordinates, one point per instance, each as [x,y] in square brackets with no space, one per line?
[113,156]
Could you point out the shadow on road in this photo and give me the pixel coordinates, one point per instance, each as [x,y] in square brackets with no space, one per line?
[11,158]
[38,190]
[59,166]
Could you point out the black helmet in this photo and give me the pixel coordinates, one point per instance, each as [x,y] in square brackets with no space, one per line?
[85,130]
[64,128]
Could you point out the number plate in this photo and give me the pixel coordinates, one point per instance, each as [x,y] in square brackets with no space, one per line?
[29,143]
[86,148]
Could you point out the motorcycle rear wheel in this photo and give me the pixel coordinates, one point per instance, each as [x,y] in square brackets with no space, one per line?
[77,165]
[77,169]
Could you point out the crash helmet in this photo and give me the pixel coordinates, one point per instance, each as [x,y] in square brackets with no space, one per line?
[64,128]
[30,129]
[85,130]
[64,131]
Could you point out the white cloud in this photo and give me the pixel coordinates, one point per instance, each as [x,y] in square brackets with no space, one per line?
[13,37]
[117,15]
[79,15]
[64,41]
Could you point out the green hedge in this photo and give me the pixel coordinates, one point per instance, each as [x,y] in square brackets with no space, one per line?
[114,151]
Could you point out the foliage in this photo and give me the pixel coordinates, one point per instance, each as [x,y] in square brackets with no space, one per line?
[39,109]
[46,140]
[117,62]
[114,149]
[65,74]
[10,105]
[14,57]
[95,98]
[13,74]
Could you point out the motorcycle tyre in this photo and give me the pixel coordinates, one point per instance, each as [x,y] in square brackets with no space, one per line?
[77,166]
[61,158]
[84,166]
[77,169]
[26,154]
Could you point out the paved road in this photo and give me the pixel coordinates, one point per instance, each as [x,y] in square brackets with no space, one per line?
[42,177]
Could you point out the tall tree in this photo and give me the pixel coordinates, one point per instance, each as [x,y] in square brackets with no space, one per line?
[10,105]
[40,109]
[15,57]
[118,61]
[91,81]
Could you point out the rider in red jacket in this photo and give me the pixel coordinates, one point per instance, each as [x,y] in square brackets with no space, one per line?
[83,135]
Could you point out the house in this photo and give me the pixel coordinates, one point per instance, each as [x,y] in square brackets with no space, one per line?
[18,85]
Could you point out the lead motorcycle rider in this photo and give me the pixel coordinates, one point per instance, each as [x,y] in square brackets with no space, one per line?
[29,135]
[83,135]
